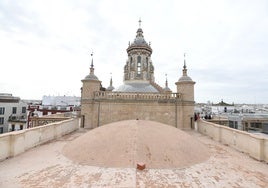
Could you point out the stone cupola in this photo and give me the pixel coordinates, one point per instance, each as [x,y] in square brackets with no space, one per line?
[139,69]
[139,65]
[185,85]
[91,83]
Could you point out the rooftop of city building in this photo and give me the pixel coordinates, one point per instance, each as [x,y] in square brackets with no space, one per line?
[47,165]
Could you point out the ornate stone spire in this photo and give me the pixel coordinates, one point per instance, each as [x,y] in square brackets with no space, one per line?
[167,89]
[139,31]
[185,77]
[111,87]
[166,81]
[91,75]
[92,65]
[111,81]
[184,71]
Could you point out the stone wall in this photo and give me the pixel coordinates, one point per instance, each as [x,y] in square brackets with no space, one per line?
[14,143]
[102,111]
[254,145]
[103,107]
[154,111]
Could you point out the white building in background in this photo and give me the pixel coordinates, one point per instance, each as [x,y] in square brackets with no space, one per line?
[13,113]
[61,101]
[253,122]
[53,105]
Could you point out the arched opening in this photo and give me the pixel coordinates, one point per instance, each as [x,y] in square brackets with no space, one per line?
[139,66]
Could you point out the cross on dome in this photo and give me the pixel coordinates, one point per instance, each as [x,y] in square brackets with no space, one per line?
[140,23]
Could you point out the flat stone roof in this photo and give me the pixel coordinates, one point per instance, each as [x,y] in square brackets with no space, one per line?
[46,166]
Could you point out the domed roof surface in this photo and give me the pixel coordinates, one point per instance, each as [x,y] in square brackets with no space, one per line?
[91,77]
[167,89]
[144,87]
[139,42]
[185,79]
[126,143]
[110,88]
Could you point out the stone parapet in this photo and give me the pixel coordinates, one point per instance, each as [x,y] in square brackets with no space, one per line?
[137,96]
[14,143]
[254,145]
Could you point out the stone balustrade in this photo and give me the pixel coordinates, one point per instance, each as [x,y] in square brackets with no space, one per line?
[136,96]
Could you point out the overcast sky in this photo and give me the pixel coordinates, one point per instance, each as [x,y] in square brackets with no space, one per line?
[45,45]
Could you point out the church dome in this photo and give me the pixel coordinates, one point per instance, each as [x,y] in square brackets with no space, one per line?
[167,89]
[138,87]
[139,69]
[139,43]
[110,88]
[139,40]
[185,79]
[91,77]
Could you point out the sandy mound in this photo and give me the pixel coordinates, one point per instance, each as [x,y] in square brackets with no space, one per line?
[126,143]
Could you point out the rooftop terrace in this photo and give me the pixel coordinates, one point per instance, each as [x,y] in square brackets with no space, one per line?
[46,166]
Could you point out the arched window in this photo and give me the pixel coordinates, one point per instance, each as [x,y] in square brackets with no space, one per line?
[131,62]
[139,66]
[146,63]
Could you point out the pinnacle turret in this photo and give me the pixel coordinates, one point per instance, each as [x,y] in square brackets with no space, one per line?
[91,75]
[111,87]
[184,71]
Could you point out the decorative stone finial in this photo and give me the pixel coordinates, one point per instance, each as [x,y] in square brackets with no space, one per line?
[111,87]
[111,80]
[92,65]
[140,23]
[91,75]
[166,81]
[184,67]
[166,89]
